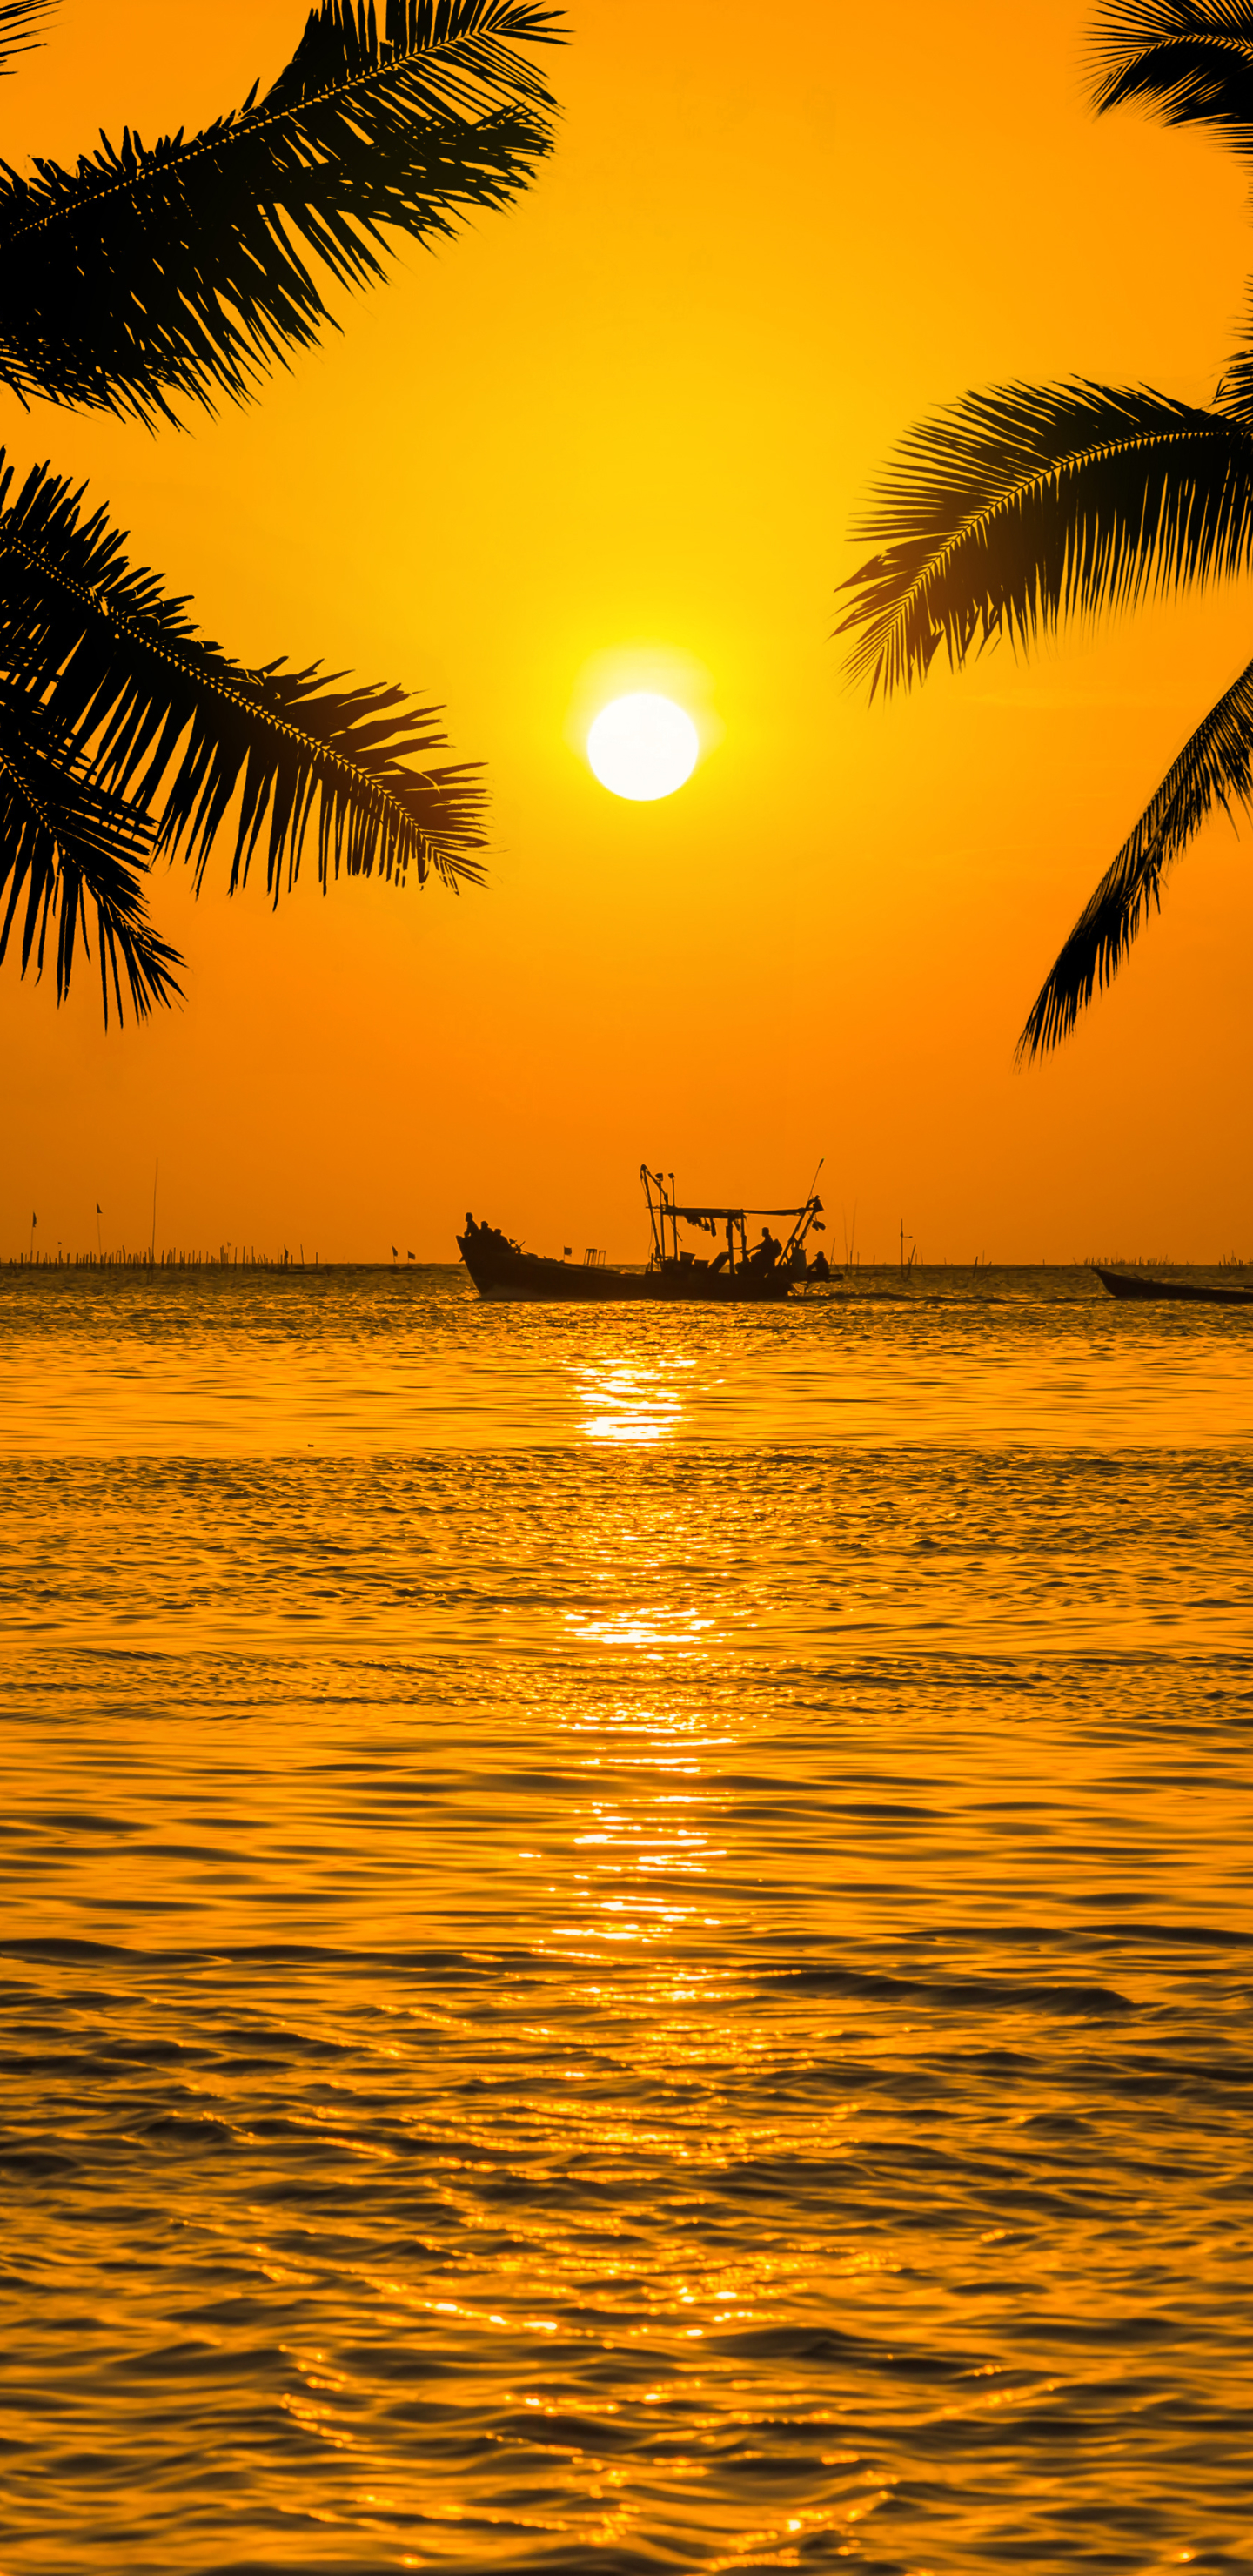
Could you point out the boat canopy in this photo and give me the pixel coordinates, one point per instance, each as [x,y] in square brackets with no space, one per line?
[666,1211]
[702,1215]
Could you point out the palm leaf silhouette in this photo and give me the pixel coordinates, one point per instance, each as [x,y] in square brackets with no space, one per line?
[20,21]
[1214,768]
[66,845]
[1188,61]
[1028,504]
[188,269]
[188,735]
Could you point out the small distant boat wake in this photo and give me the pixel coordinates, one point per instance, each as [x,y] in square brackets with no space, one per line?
[757,1274]
[1129,1283]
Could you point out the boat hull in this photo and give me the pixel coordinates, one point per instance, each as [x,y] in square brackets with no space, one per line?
[499,1271]
[1123,1283]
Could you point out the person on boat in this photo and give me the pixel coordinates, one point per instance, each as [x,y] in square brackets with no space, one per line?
[766,1253]
[820,1267]
[487,1236]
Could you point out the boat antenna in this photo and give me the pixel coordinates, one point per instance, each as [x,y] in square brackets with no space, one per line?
[804,1216]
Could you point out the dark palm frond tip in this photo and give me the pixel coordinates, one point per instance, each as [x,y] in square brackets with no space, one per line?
[191,269]
[21,23]
[1027,504]
[1234,391]
[68,848]
[193,741]
[1189,61]
[1215,768]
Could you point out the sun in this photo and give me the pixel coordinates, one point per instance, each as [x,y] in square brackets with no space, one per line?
[643,746]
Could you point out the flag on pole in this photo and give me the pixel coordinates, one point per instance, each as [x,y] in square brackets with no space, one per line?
[99,1209]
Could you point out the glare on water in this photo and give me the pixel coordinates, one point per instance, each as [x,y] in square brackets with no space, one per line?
[625,1935]
[230,1363]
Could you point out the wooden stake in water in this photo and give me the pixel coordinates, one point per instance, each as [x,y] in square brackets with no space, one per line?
[152,1254]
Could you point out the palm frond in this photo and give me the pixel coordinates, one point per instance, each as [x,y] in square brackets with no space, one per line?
[190,269]
[20,22]
[1214,768]
[1189,61]
[67,846]
[1234,393]
[198,741]
[1028,504]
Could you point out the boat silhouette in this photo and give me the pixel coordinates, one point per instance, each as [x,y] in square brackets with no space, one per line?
[741,1273]
[1127,1283]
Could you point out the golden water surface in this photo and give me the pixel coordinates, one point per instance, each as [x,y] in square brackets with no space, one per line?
[625,1936]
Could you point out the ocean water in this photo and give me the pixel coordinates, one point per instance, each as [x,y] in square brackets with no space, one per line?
[624,1935]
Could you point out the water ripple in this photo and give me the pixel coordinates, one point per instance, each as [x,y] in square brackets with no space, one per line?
[594,2001]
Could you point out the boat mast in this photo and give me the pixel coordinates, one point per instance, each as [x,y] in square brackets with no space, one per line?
[656,1215]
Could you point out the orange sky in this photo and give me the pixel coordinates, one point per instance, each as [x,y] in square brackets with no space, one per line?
[633,420]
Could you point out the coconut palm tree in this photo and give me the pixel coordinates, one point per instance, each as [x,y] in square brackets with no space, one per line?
[1027,504]
[145,280]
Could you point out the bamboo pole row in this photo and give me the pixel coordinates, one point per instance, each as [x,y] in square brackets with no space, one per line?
[227,1257]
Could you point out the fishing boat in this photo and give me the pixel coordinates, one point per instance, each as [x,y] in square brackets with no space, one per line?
[1128,1283]
[741,1273]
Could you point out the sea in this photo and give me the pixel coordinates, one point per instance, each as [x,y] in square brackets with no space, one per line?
[625,1934]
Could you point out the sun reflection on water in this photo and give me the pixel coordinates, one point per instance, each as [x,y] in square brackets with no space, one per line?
[644,1832]
[644,1631]
[630,1401]
[640,1899]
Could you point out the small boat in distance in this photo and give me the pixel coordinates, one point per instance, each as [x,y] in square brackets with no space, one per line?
[741,1274]
[1128,1283]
